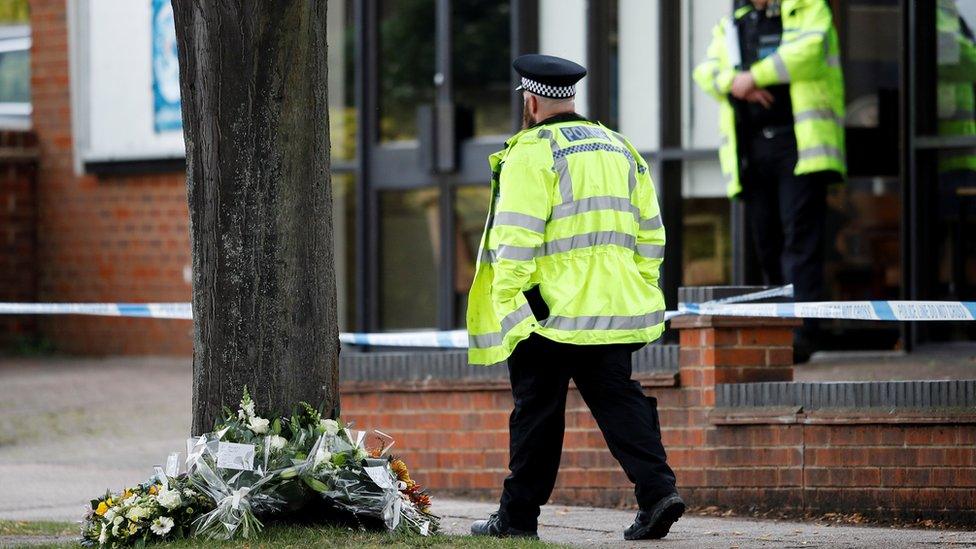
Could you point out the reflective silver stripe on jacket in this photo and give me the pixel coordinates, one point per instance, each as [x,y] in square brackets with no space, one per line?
[593,204]
[650,251]
[819,150]
[515,219]
[815,114]
[511,320]
[632,174]
[715,73]
[651,224]
[587,240]
[519,253]
[604,322]
[576,242]
[782,74]
[561,167]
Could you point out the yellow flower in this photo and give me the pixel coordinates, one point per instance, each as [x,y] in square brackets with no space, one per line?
[126,494]
[154,489]
[102,508]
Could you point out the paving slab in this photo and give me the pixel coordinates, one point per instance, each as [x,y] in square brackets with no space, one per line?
[589,527]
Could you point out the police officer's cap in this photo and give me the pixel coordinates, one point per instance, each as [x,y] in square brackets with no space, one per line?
[548,76]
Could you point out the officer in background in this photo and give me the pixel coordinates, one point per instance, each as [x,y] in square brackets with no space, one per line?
[956,106]
[566,287]
[774,67]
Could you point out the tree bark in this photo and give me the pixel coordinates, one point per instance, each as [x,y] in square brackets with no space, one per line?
[253,77]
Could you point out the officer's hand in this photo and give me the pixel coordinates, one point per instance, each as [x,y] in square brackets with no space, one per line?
[742,84]
[761,96]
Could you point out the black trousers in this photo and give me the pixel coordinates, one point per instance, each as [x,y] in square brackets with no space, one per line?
[540,371]
[785,214]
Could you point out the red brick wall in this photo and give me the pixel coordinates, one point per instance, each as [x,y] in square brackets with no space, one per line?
[120,238]
[457,442]
[909,463]
[18,246]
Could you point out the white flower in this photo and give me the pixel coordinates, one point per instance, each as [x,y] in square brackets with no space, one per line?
[360,454]
[129,500]
[277,442]
[330,426]
[135,514]
[161,526]
[189,493]
[110,514]
[115,525]
[322,456]
[259,425]
[103,535]
[247,410]
[169,499]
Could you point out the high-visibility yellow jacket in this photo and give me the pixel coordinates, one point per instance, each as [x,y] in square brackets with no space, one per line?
[807,59]
[956,77]
[574,212]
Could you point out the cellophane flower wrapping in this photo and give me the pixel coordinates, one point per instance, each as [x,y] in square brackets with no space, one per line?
[364,482]
[282,451]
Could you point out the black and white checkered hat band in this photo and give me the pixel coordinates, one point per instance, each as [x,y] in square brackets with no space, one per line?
[545,90]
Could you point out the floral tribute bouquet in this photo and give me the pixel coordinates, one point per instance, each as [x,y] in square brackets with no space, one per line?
[368,483]
[163,508]
[251,467]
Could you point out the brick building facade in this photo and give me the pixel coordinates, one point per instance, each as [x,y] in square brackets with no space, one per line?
[101,238]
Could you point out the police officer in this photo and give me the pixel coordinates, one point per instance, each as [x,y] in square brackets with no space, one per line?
[775,69]
[566,287]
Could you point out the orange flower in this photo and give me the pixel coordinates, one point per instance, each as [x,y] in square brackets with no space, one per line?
[400,470]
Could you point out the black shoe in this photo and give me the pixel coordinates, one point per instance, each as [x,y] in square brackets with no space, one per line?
[496,527]
[656,522]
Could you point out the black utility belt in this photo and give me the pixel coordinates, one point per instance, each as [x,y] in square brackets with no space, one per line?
[770,132]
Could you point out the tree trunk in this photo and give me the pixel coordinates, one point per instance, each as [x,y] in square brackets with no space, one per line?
[253,77]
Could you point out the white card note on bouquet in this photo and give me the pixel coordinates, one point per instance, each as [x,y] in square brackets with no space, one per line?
[231,455]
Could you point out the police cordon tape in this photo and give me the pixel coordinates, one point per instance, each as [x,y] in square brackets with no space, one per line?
[900,311]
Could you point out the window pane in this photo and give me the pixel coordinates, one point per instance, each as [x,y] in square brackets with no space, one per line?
[707,242]
[15,77]
[470,210]
[409,244]
[344,229]
[701,111]
[634,76]
[482,63]
[342,98]
[406,65]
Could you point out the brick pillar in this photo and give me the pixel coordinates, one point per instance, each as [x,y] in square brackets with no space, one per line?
[738,349]
[718,349]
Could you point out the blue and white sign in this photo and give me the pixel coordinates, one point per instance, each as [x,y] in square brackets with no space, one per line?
[165,69]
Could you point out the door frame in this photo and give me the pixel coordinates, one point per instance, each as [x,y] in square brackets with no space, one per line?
[408,165]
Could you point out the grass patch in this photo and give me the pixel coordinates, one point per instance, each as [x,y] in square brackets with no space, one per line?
[37,528]
[288,537]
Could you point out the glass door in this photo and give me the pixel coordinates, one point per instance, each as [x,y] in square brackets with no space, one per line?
[942,157]
[438,93]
